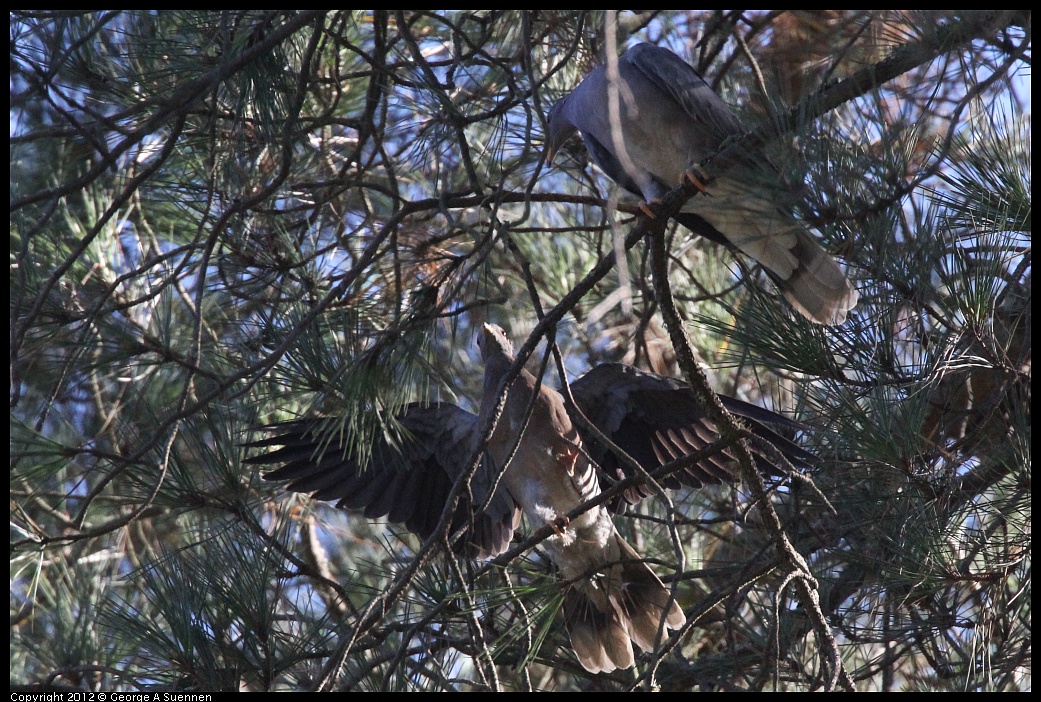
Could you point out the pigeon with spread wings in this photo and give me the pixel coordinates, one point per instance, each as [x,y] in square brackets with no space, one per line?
[668,121]
[537,463]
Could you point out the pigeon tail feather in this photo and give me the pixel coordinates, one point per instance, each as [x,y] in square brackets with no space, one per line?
[623,604]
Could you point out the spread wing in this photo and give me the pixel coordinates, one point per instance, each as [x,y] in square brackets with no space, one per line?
[409,483]
[656,419]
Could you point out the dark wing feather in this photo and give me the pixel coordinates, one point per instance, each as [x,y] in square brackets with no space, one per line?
[656,419]
[678,80]
[408,482]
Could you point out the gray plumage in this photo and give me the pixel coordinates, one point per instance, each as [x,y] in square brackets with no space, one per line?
[669,120]
[612,598]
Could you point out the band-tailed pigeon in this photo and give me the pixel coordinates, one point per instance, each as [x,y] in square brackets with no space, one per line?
[668,121]
[614,599]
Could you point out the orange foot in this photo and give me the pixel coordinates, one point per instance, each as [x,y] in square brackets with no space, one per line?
[560,525]
[645,207]
[694,178]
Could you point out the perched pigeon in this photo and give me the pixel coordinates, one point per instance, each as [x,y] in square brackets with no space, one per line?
[668,121]
[613,599]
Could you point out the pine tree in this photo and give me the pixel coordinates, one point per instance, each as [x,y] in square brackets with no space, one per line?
[225,219]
